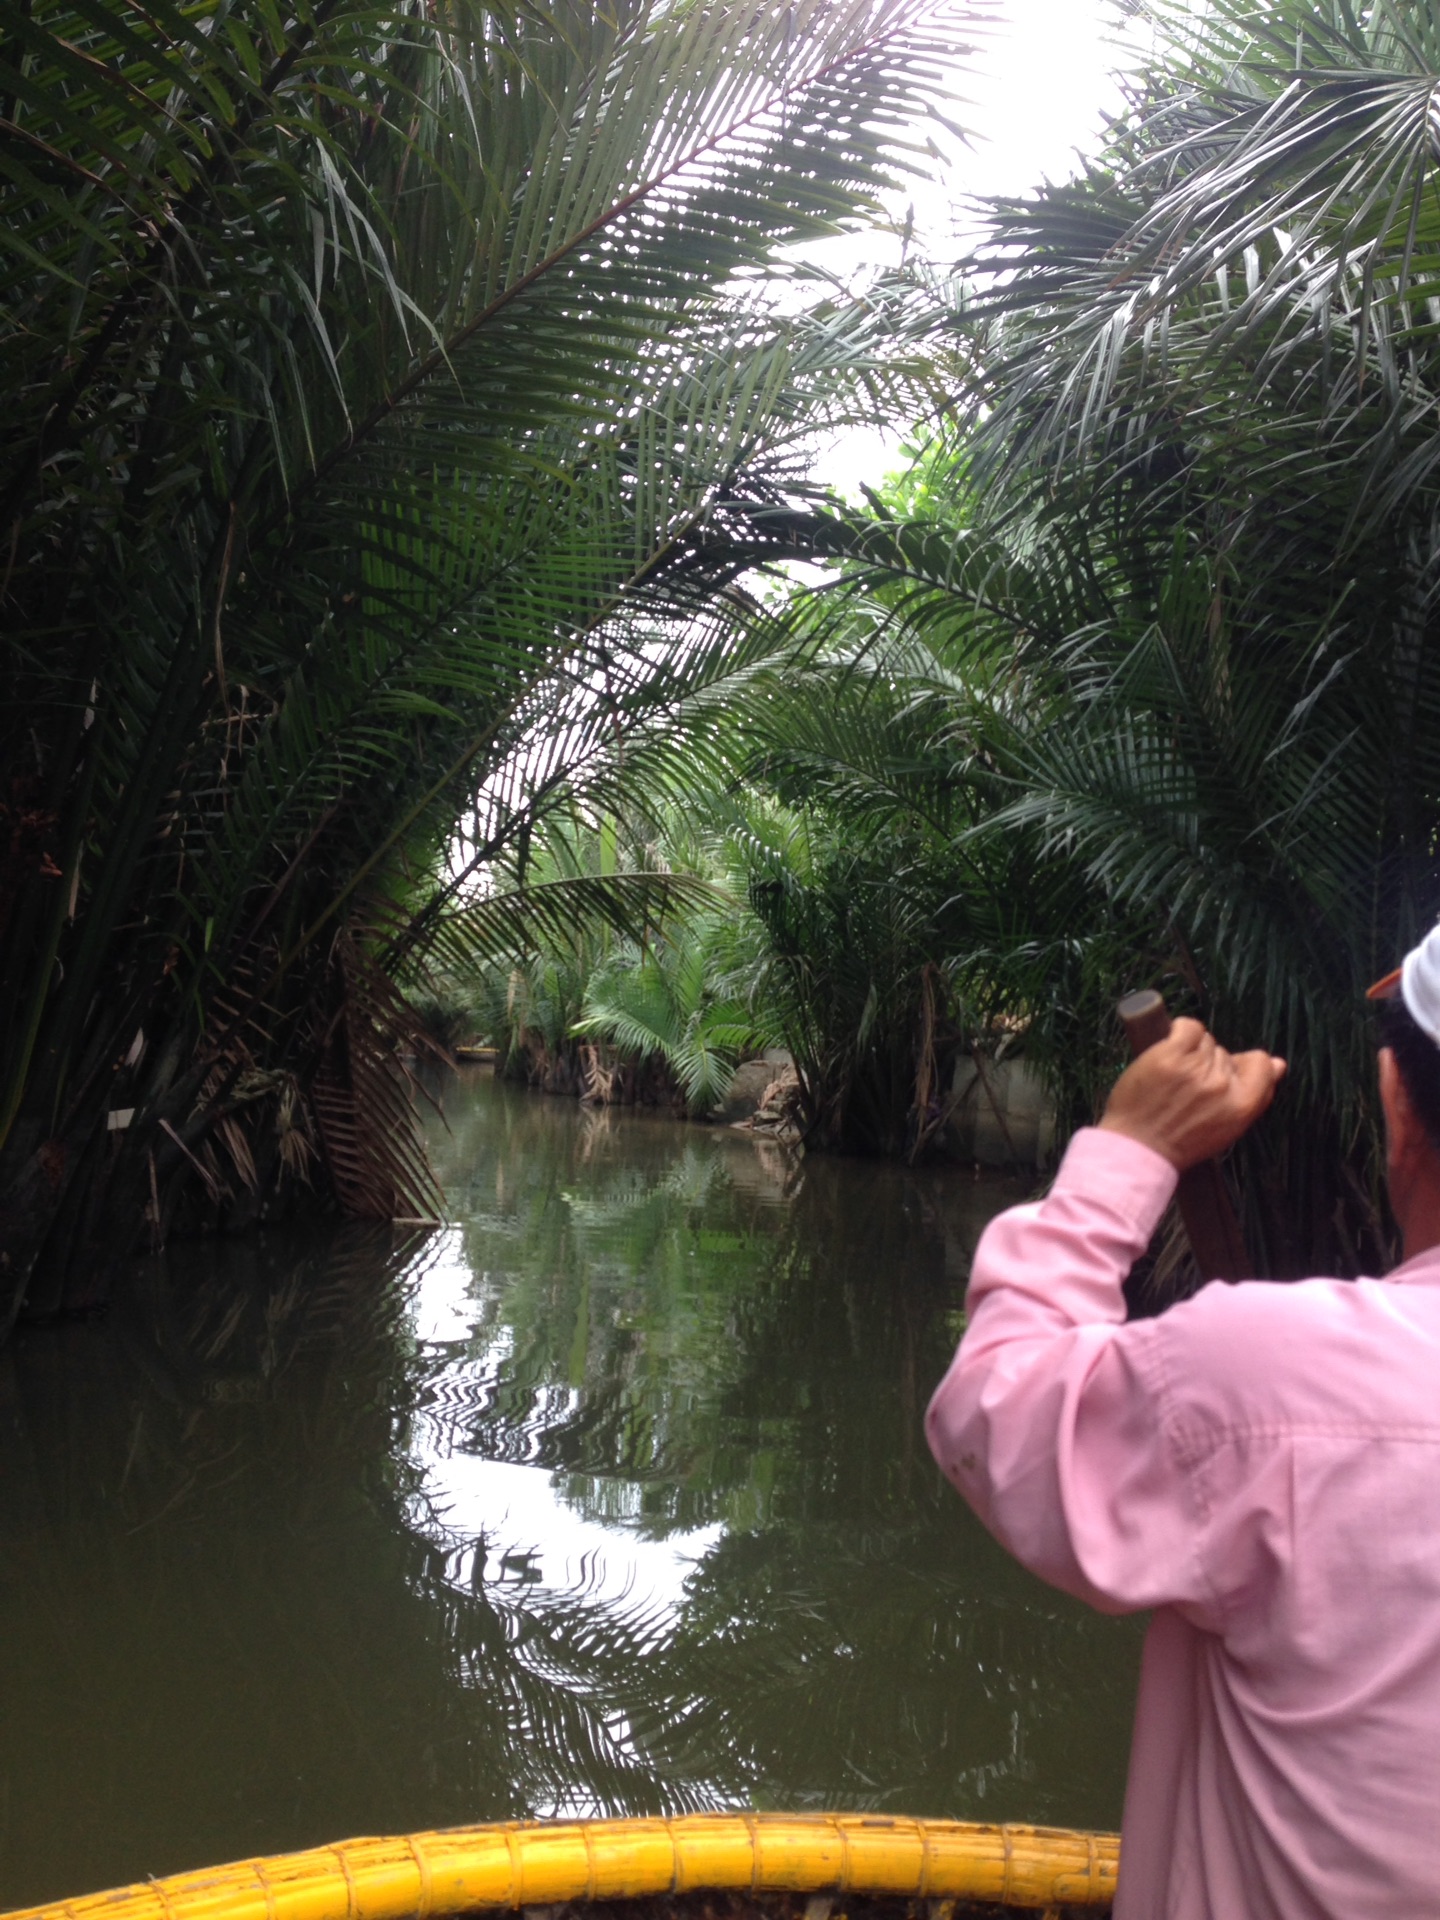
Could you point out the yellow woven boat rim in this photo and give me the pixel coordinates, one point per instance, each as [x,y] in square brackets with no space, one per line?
[539,1863]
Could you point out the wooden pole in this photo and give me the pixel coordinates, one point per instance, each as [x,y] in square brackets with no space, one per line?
[1205,1208]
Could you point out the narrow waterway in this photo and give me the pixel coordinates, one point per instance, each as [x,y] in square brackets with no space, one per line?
[610,1497]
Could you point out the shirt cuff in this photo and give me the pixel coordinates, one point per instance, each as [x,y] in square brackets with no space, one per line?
[1133,1179]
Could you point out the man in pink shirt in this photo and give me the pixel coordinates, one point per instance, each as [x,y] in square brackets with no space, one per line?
[1261,1466]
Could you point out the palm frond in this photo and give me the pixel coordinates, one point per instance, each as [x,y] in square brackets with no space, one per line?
[368,364]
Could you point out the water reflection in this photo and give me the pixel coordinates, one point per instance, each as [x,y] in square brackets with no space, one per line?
[610,1497]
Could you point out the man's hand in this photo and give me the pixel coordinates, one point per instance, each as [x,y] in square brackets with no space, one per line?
[1188,1098]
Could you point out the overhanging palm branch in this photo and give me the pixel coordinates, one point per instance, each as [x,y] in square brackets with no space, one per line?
[1264,226]
[365,363]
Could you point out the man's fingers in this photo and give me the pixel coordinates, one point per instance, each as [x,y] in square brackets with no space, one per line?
[1187,1036]
[1258,1075]
[1188,1098]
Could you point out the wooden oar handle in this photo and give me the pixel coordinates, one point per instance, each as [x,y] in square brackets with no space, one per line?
[1209,1218]
[1145,1018]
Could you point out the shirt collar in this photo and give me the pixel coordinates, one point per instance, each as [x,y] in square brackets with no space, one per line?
[1422,1270]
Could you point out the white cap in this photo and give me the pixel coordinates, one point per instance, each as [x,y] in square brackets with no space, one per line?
[1417,981]
[1420,984]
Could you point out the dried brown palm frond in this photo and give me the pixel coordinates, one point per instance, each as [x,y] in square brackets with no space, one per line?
[365,1096]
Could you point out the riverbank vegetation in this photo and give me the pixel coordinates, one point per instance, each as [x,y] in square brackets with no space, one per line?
[398,439]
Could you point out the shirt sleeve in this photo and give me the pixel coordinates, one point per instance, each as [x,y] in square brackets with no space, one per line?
[1051,1419]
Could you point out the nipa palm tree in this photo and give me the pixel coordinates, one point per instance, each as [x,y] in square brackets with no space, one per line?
[371,375]
[1176,560]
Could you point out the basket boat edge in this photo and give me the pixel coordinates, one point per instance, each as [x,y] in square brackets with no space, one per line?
[513,1864]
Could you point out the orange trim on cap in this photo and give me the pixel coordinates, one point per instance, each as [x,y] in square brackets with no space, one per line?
[1387,988]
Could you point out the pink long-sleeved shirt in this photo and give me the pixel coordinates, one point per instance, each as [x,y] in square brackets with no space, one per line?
[1260,1465]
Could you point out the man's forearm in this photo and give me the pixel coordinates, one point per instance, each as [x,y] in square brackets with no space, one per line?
[1044,1303]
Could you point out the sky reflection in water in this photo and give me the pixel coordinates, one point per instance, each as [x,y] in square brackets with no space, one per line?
[612,1497]
[511,1514]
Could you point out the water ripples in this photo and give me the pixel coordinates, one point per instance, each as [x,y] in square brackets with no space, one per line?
[609,1497]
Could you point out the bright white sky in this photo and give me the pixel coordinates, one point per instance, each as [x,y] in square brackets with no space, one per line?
[1038,90]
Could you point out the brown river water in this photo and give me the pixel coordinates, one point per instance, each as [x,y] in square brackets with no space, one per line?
[609,1497]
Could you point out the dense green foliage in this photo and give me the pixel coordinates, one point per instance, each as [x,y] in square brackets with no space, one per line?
[1134,679]
[1194,469]
[1180,542]
[662,1013]
[375,375]
[397,421]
